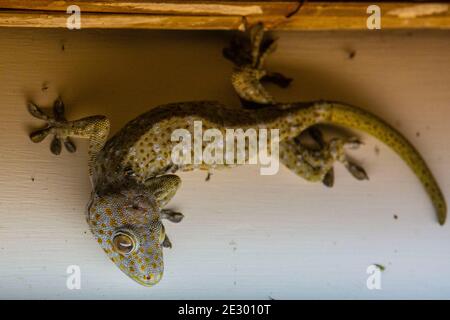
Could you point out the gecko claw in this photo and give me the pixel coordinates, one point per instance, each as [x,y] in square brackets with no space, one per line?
[59,110]
[37,112]
[55,146]
[70,146]
[39,135]
[328,179]
[357,171]
[353,143]
[167,243]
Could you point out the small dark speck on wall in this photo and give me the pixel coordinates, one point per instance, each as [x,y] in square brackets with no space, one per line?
[44,86]
[377,150]
[32,179]
[417,134]
[233,244]
[395,216]
[351,54]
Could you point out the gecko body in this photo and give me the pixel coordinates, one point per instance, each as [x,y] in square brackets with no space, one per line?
[133,172]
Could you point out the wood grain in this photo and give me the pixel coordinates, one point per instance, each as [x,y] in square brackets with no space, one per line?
[239,8]
[225,15]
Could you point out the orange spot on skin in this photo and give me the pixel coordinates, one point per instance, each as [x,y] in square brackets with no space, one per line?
[99,240]
[108,211]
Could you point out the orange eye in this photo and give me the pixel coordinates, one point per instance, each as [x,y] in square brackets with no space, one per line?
[124,243]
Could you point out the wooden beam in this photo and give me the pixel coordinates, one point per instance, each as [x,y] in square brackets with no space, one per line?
[163,7]
[222,15]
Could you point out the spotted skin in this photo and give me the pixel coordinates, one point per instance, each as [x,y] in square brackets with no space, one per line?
[117,211]
[132,172]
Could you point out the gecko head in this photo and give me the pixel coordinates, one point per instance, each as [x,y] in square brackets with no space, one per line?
[128,227]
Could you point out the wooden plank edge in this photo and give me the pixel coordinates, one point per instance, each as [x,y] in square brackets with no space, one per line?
[313,16]
[196,7]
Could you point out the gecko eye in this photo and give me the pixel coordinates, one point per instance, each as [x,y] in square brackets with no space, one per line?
[124,242]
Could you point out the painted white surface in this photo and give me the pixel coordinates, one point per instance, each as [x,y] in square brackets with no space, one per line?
[244,235]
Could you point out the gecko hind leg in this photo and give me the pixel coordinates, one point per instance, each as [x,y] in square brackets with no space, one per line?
[249,52]
[317,164]
[297,158]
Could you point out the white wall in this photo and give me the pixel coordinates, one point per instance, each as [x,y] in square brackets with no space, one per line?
[244,235]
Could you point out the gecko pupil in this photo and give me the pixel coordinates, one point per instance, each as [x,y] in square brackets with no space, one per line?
[123,243]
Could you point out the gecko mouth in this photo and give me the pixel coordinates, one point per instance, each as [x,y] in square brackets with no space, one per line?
[147,280]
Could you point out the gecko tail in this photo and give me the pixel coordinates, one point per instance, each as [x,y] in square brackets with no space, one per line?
[356,118]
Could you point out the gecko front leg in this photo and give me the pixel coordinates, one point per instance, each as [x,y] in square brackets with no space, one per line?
[163,189]
[94,128]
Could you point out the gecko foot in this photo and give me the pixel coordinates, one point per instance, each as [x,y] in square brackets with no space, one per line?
[248,51]
[55,125]
[337,149]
